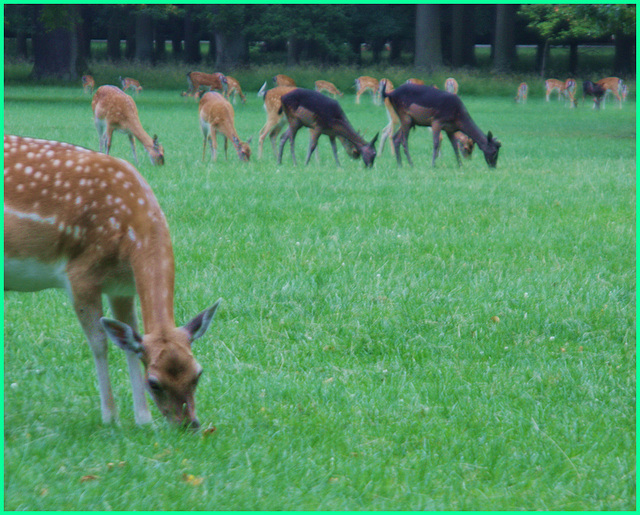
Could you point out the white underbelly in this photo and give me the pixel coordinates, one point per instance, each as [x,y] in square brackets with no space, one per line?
[33,275]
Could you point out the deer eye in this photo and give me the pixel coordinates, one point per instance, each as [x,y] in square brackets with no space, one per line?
[154,385]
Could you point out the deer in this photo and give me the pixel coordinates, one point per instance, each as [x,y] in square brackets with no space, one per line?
[415,81]
[624,92]
[366,83]
[329,87]
[128,83]
[233,88]
[522,94]
[115,110]
[392,116]
[451,85]
[611,85]
[88,223]
[430,107]
[213,81]
[283,80]
[216,115]
[566,89]
[594,90]
[88,84]
[275,120]
[323,115]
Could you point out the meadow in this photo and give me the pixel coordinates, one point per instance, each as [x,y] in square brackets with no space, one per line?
[393,338]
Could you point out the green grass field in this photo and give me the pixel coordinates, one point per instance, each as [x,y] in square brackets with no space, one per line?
[390,338]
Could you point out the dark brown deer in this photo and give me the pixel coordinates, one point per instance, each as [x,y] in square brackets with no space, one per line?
[442,111]
[323,115]
[595,90]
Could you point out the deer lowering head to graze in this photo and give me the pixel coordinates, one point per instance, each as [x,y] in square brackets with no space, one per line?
[307,108]
[442,111]
[275,119]
[565,89]
[129,83]
[611,85]
[451,85]
[210,81]
[88,84]
[325,85]
[392,116]
[523,93]
[89,223]
[366,83]
[115,110]
[283,80]
[594,90]
[233,88]
[216,115]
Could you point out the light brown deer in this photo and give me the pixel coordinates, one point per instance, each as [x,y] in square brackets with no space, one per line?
[283,80]
[392,116]
[522,94]
[233,88]
[275,119]
[611,85]
[565,89]
[420,82]
[213,81]
[128,83]
[451,85]
[216,115]
[329,87]
[366,83]
[115,110]
[88,84]
[90,224]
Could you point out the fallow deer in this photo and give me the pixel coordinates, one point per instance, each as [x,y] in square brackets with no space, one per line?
[451,85]
[233,88]
[366,83]
[90,224]
[565,89]
[115,110]
[594,90]
[275,120]
[283,80]
[611,85]
[88,84]
[308,108]
[216,115]
[523,93]
[213,81]
[420,82]
[442,111]
[128,83]
[325,85]
[392,116]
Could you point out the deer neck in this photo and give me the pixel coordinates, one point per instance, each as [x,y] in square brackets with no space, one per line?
[468,126]
[136,129]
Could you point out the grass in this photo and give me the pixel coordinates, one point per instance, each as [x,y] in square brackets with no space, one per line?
[390,338]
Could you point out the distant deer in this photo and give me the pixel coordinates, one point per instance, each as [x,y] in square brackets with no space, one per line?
[624,92]
[128,83]
[213,81]
[366,83]
[216,115]
[325,85]
[88,84]
[611,85]
[283,80]
[90,224]
[442,111]
[594,90]
[233,88]
[115,110]
[420,82]
[523,93]
[275,118]
[451,85]
[307,108]
[565,89]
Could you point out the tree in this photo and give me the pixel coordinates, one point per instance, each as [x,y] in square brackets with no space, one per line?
[462,35]
[505,42]
[428,54]
[55,41]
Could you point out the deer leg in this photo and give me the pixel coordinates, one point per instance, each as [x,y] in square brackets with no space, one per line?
[124,310]
[107,139]
[283,140]
[404,139]
[454,144]
[436,144]
[133,148]
[313,143]
[274,134]
[335,150]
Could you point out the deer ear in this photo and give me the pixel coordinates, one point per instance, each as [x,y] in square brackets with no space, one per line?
[249,140]
[375,138]
[123,336]
[489,136]
[199,325]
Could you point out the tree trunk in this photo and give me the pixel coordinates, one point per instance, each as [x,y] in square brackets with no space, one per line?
[293,51]
[573,58]
[55,51]
[624,62]
[545,55]
[113,37]
[191,38]
[144,37]
[428,54]
[505,38]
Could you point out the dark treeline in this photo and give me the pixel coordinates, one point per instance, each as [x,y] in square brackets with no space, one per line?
[423,36]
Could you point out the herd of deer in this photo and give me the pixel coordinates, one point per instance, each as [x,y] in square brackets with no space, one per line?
[89,223]
[567,89]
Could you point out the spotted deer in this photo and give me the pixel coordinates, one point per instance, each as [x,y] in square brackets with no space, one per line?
[212,81]
[115,110]
[451,85]
[366,83]
[275,119]
[611,85]
[283,80]
[392,116]
[565,89]
[523,93]
[323,115]
[442,111]
[216,115]
[88,84]
[129,83]
[233,88]
[329,87]
[420,82]
[89,223]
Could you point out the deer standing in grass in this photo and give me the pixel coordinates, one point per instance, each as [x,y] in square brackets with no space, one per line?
[88,84]
[325,85]
[392,116]
[275,119]
[442,111]
[89,223]
[366,83]
[307,108]
[594,90]
[565,89]
[129,83]
[115,110]
[420,82]
[611,85]
[451,85]
[233,88]
[213,81]
[216,115]
[283,80]
[523,93]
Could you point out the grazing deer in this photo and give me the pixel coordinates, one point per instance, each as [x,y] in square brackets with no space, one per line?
[128,83]
[442,111]
[275,120]
[366,83]
[322,115]
[523,93]
[611,85]
[88,84]
[115,110]
[392,116]
[197,80]
[216,115]
[90,224]
[283,80]
[451,85]
[565,89]
[594,90]
[233,88]
[325,85]
[420,82]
